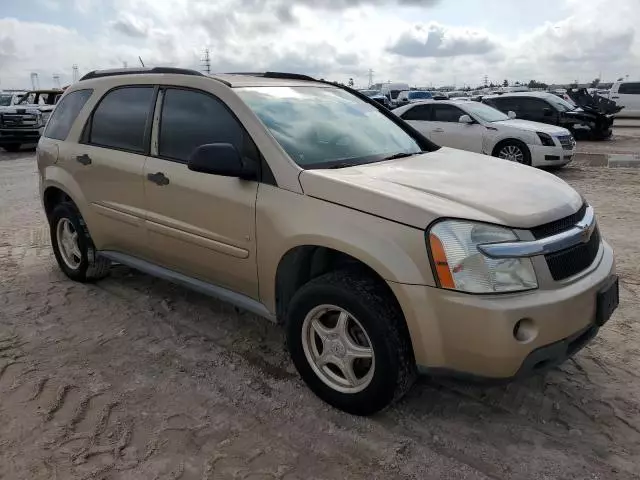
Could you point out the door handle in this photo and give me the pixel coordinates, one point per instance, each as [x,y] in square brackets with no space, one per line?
[158,178]
[84,159]
[437,130]
[615,96]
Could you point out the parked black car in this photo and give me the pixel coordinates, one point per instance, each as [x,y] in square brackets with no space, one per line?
[584,123]
[378,97]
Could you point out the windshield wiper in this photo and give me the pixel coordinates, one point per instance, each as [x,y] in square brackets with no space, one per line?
[401,155]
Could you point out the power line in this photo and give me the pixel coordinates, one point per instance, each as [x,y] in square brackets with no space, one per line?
[206,62]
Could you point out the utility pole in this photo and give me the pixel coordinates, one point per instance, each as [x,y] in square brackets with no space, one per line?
[206,62]
[75,74]
[370,77]
[56,80]
[486,80]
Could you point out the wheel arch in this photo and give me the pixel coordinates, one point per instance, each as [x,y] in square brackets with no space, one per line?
[506,140]
[57,185]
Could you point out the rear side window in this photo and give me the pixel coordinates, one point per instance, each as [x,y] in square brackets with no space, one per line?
[190,119]
[65,114]
[120,121]
[630,88]
[419,112]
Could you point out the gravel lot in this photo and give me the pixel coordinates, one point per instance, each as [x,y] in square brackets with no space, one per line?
[134,378]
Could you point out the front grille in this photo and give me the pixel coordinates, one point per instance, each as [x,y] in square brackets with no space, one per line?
[558,226]
[566,141]
[574,260]
[16,120]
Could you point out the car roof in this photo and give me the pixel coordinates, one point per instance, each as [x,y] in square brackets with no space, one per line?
[232,80]
[521,94]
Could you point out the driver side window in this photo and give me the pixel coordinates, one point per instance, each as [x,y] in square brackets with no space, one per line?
[446,113]
[190,119]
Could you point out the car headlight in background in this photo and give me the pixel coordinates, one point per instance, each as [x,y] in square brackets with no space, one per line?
[546,139]
[461,266]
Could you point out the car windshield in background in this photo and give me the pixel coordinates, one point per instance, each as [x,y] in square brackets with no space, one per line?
[327,127]
[370,93]
[484,112]
[5,100]
[415,95]
[560,103]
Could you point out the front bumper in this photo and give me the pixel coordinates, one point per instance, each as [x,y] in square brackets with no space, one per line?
[12,136]
[548,156]
[473,335]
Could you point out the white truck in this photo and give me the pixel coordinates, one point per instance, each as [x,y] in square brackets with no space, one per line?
[626,94]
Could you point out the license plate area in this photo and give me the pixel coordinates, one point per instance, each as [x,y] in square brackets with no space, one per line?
[607,300]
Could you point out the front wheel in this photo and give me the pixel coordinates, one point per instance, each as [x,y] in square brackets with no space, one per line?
[349,342]
[12,147]
[514,151]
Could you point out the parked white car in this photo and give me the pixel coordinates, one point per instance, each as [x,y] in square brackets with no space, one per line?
[477,127]
[627,95]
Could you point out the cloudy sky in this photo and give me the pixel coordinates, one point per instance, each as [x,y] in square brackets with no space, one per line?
[422,42]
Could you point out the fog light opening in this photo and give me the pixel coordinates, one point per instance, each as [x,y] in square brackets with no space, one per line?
[525,330]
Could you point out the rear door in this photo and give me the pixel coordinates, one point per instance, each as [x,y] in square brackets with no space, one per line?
[419,117]
[200,224]
[108,166]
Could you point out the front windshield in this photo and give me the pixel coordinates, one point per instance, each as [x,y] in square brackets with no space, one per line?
[5,100]
[414,95]
[560,103]
[327,127]
[484,112]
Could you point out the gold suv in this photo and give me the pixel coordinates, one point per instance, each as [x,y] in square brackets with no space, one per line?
[382,254]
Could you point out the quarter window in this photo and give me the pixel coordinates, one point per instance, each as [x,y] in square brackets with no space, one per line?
[120,121]
[191,119]
[65,114]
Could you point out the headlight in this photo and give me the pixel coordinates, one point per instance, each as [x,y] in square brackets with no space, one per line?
[461,266]
[546,139]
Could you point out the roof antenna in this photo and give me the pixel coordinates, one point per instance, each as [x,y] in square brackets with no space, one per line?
[141,62]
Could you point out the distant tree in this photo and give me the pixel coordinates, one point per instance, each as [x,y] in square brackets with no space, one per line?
[505,83]
[491,85]
[517,84]
[595,82]
[536,84]
[351,82]
[621,79]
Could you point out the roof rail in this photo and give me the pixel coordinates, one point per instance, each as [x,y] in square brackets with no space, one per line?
[139,71]
[283,75]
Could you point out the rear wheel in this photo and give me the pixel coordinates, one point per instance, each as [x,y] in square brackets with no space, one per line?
[514,151]
[73,247]
[348,340]
[12,147]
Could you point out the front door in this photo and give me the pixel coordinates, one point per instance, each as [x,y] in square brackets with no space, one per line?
[200,224]
[447,130]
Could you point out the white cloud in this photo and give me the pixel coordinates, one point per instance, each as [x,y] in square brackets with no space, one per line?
[334,39]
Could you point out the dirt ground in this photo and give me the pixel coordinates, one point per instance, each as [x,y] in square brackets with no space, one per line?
[134,378]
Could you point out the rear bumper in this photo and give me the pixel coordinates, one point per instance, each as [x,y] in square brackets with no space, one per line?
[473,335]
[548,156]
[8,136]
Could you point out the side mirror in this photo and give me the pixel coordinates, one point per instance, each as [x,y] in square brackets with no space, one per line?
[221,159]
[547,112]
[511,114]
[465,119]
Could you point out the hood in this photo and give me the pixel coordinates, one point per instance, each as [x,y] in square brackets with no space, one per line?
[447,183]
[533,126]
[23,108]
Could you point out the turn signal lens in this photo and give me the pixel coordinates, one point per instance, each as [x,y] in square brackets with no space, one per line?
[440,259]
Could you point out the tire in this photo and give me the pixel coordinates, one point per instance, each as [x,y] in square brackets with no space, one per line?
[511,145]
[90,267]
[12,147]
[374,310]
